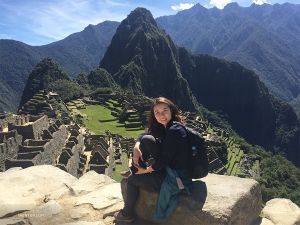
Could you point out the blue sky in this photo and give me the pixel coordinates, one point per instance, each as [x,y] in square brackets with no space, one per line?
[40,22]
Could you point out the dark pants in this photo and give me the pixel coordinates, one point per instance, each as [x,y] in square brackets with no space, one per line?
[149,147]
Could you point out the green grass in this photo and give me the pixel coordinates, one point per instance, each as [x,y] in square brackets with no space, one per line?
[234,170]
[116,176]
[96,113]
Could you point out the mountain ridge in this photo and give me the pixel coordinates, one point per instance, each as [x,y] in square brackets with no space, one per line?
[189,28]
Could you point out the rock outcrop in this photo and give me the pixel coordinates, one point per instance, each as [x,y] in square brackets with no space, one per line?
[216,199]
[47,195]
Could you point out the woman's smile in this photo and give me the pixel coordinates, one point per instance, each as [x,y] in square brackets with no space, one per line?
[162,113]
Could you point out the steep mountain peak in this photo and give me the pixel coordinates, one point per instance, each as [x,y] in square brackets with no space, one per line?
[232,6]
[43,75]
[140,54]
[140,18]
[198,6]
[140,12]
[137,35]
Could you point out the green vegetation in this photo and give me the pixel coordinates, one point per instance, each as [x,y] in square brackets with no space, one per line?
[96,113]
[121,167]
[279,178]
[116,175]
[67,89]
[97,81]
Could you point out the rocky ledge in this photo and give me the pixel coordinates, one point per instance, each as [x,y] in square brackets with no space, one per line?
[49,196]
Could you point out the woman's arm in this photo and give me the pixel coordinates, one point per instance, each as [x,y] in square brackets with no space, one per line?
[137,154]
[142,170]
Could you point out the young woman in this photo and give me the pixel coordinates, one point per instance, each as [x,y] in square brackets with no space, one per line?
[166,145]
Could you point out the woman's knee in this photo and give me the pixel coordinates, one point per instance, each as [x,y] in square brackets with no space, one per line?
[146,139]
[133,180]
[150,146]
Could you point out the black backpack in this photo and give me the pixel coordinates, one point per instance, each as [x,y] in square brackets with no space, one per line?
[199,163]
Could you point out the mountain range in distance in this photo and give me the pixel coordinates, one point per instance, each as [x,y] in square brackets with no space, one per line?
[264,38]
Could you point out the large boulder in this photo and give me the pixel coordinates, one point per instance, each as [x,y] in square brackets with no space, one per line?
[48,195]
[281,211]
[25,189]
[217,199]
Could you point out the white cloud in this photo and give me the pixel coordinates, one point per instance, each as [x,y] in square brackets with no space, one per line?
[7,36]
[260,2]
[57,19]
[220,3]
[182,6]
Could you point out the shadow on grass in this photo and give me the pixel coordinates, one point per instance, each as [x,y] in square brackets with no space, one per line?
[134,129]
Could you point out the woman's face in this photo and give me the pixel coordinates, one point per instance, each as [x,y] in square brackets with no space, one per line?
[162,113]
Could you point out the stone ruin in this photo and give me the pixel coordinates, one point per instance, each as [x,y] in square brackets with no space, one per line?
[99,151]
[37,139]
[41,104]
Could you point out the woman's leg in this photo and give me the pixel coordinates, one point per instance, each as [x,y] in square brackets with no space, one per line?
[150,147]
[149,181]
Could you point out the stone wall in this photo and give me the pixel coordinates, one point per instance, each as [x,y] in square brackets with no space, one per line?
[53,148]
[31,130]
[100,155]
[71,155]
[39,152]
[5,119]
[9,146]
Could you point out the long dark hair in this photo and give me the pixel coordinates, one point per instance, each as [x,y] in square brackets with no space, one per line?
[157,129]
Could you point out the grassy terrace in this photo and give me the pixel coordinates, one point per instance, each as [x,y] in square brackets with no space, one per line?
[234,158]
[96,113]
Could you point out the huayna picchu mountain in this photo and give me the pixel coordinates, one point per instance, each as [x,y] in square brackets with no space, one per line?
[143,59]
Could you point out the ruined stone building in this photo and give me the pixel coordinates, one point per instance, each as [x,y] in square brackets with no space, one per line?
[99,149]
[37,140]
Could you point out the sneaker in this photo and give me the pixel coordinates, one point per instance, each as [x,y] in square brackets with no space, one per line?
[125,174]
[119,217]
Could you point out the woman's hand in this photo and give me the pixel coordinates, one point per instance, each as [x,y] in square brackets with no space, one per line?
[137,154]
[142,170]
